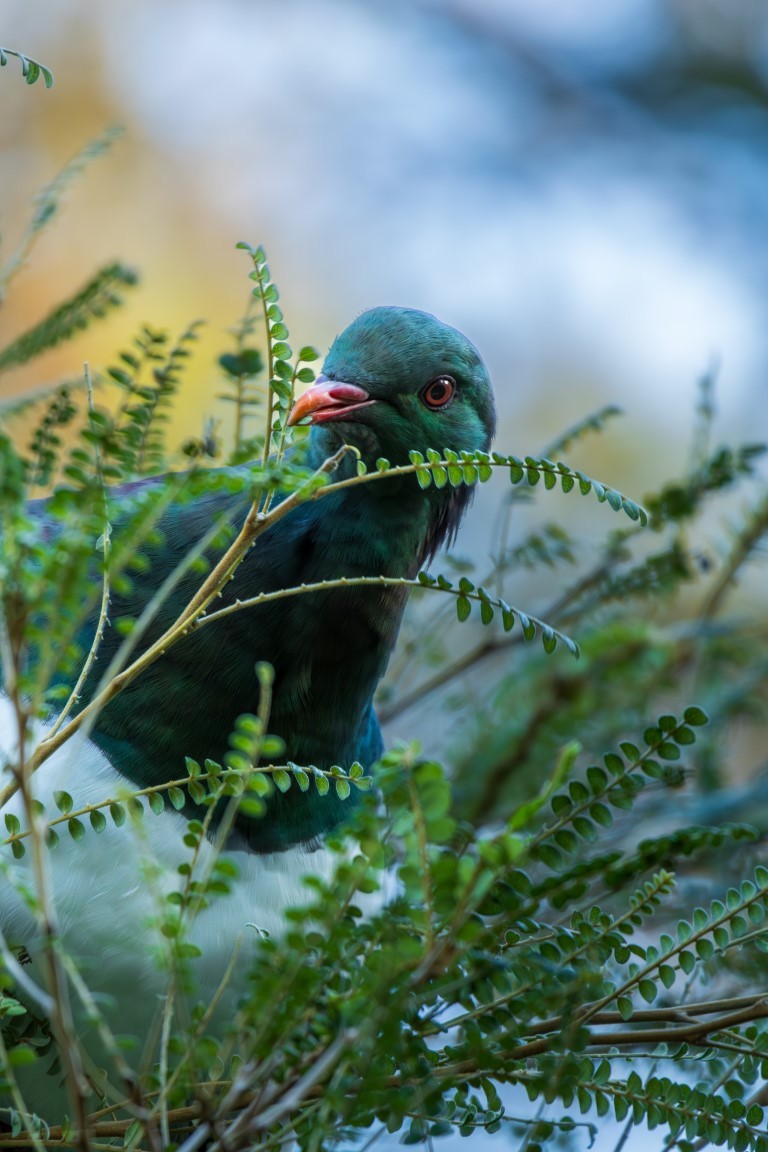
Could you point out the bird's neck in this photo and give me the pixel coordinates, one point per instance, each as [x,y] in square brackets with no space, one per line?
[409,525]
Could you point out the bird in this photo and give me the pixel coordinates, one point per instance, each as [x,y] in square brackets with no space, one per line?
[394,381]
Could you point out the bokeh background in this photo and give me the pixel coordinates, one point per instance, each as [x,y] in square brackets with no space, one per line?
[581,187]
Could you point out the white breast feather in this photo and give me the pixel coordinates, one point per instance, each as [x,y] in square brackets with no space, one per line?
[106,903]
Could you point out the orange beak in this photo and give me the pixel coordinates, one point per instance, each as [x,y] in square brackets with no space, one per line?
[329,400]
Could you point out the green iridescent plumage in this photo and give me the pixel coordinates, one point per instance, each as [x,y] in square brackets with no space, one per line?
[328,650]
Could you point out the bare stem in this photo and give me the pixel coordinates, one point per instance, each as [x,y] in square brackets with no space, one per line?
[61,1009]
[255,523]
[74,695]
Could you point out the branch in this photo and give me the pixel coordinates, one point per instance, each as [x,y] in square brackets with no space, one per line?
[30,69]
[462,592]
[74,695]
[224,775]
[255,523]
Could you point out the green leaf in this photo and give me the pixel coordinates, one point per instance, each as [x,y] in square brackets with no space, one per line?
[321,783]
[342,789]
[705,949]
[687,962]
[281,780]
[667,975]
[76,828]
[601,814]
[196,791]
[259,783]
[624,1006]
[631,751]
[548,639]
[301,778]
[598,779]
[528,626]
[63,802]
[463,608]
[176,797]
[156,803]
[98,820]
[117,812]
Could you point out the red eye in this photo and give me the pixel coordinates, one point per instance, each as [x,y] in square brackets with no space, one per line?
[439,392]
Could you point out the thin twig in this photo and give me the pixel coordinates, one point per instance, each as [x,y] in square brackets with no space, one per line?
[74,695]
[254,525]
[18,1100]
[61,1014]
[251,1120]
[135,1102]
[746,541]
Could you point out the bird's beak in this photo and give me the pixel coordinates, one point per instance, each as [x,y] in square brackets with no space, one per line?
[329,400]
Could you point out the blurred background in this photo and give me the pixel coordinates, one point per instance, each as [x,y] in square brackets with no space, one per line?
[581,188]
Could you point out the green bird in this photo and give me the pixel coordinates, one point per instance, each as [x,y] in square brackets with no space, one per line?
[395,380]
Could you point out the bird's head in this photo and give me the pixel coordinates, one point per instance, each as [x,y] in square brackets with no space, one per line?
[397,380]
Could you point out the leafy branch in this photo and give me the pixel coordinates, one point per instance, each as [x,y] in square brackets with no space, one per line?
[31,69]
[457,468]
[514,949]
[451,468]
[222,781]
[102,293]
[465,594]
[47,202]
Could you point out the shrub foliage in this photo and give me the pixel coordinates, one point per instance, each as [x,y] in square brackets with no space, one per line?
[540,964]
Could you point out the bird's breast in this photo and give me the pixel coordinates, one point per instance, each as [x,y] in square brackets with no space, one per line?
[109,891]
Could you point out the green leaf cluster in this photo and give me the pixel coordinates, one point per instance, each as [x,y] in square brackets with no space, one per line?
[539,926]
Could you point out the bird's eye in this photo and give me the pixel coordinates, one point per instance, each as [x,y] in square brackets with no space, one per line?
[439,392]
